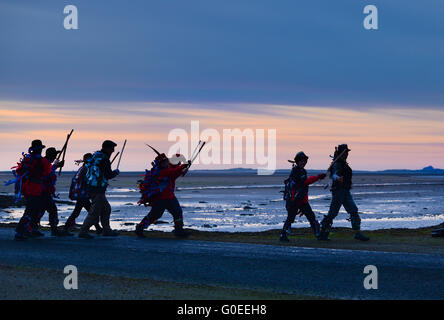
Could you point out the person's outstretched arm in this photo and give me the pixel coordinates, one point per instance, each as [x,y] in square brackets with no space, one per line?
[313,179]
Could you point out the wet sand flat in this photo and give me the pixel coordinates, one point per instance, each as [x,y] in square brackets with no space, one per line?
[251,203]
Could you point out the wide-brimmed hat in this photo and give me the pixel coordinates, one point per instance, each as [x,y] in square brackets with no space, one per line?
[300,155]
[343,147]
[37,145]
[52,152]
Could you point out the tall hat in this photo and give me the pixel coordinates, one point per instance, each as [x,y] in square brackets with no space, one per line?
[342,147]
[160,156]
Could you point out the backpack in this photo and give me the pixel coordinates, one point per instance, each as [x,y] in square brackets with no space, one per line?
[77,190]
[49,183]
[94,176]
[289,188]
[151,185]
[294,191]
[22,173]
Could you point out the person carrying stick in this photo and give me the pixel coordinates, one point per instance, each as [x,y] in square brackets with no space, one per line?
[79,194]
[158,190]
[341,173]
[97,177]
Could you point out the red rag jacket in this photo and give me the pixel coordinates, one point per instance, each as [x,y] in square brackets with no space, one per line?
[33,185]
[50,181]
[172,173]
[310,180]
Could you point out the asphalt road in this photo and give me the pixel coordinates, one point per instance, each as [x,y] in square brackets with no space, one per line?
[311,271]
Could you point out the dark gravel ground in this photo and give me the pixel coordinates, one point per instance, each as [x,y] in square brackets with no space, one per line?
[317,272]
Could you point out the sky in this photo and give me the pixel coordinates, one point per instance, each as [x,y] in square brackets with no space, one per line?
[138,69]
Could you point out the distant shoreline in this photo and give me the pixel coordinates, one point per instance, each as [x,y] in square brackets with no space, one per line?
[279,172]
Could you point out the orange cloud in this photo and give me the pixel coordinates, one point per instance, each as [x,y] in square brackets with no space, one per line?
[391,133]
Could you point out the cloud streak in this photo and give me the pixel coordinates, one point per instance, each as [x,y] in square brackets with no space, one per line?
[380,139]
[312,53]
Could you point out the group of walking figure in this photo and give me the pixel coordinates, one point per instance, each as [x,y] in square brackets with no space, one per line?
[36,177]
[296,195]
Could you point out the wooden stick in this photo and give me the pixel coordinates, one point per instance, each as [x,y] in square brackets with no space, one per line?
[115,157]
[200,149]
[66,143]
[121,153]
[65,146]
[195,149]
[332,163]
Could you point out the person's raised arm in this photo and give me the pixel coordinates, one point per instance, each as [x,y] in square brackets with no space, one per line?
[108,173]
[313,179]
[173,172]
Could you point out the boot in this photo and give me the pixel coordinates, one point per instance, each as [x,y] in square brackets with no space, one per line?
[323,235]
[69,225]
[325,228]
[316,229]
[362,237]
[139,232]
[20,237]
[288,231]
[283,237]
[99,229]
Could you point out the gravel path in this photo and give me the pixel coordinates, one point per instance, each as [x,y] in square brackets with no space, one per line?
[289,270]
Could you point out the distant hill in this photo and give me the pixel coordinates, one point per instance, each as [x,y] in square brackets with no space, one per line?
[426,170]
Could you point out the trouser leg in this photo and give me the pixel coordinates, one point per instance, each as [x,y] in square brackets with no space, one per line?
[292,210]
[157,210]
[94,213]
[335,205]
[105,215]
[309,214]
[34,205]
[80,204]
[173,207]
[53,215]
[352,209]
[87,206]
[45,206]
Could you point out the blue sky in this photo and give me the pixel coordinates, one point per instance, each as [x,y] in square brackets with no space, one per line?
[140,68]
[251,51]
